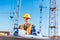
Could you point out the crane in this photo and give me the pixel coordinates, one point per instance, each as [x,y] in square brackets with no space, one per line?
[16,18]
[41,6]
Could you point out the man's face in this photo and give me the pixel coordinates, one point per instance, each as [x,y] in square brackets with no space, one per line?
[26,20]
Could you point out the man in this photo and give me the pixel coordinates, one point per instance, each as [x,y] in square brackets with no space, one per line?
[27,26]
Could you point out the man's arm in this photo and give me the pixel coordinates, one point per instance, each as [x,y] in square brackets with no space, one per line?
[16,31]
[33,30]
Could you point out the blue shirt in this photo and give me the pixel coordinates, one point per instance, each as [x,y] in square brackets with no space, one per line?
[33,32]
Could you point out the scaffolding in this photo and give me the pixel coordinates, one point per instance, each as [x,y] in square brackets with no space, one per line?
[53,19]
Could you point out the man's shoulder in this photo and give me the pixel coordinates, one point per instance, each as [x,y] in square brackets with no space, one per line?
[32,25]
[20,25]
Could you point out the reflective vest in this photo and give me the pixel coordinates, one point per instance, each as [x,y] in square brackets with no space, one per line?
[29,29]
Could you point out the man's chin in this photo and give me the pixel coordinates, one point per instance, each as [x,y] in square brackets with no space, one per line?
[27,23]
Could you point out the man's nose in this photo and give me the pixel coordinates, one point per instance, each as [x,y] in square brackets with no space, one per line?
[26,19]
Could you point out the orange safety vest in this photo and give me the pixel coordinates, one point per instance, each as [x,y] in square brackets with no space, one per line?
[28,31]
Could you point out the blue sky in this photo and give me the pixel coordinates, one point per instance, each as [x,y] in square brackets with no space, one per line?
[27,6]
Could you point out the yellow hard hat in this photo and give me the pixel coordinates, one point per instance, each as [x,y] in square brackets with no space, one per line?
[26,15]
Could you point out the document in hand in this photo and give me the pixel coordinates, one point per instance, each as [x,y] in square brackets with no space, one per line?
[22,33]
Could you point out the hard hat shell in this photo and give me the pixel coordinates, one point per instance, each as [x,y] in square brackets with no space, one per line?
[26,15]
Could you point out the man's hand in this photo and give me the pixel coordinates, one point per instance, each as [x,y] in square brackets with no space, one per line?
[21,32]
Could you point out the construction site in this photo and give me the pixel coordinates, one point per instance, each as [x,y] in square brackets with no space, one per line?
[52,33]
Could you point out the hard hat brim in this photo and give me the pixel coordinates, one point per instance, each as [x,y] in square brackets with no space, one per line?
[26,17]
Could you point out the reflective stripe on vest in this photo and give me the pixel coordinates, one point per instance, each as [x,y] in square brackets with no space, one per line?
[28,31]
